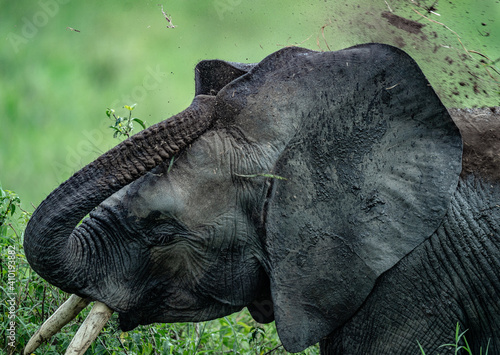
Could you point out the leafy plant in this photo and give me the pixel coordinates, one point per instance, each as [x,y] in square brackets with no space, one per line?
[9,202]
[124,126]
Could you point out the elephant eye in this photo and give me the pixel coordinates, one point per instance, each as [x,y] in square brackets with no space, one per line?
[166,232]
[162,239]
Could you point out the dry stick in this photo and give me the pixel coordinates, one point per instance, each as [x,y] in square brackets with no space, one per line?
[323,34]
[34,302]
[449,29]
[273,350]
[25,292]
[169,20]
[105,348]
[486,65]
[458,38]
[291,45]
[388,5]
[43,303]
[123,346]
[12,227]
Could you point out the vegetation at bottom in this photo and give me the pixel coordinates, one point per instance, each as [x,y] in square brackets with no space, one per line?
[28,301]
[460,345]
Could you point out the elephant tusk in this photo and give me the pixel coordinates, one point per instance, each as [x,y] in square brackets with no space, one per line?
[62,316]
[90,329]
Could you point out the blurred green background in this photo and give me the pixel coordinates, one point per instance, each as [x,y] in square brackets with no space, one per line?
[62,63]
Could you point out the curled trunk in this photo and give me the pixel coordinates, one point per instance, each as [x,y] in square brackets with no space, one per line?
[51,246]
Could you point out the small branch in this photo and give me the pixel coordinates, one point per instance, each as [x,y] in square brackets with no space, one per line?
[388,6]
[323,34]
[449,29]
[12,227]
[167,17]
[123,346]
[43,302]
[273,350]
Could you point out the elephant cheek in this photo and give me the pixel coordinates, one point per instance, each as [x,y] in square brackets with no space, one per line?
[179,264]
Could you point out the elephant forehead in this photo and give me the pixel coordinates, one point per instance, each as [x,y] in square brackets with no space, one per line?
[195,188]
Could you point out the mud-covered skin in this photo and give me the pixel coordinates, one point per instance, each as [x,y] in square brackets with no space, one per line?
[453,277]
[193,235]
[480,129]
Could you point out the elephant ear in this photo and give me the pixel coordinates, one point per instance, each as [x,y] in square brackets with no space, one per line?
[212,75]
[370,174]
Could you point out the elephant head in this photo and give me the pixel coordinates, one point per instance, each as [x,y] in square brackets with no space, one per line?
[287,187]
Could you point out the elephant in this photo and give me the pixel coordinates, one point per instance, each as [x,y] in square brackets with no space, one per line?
[330,192]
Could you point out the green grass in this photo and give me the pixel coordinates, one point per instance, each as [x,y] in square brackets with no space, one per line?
[34,300]
[460,344]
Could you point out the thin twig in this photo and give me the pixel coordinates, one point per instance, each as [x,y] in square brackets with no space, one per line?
[123,346]
[449,29]
[388,6]
[167,17]
[12,227]
[273,350]
[21,301]
[323,34]
[105,348]
[43,303]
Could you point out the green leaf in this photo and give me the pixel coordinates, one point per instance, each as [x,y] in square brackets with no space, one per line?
[109,112]
[247,327]
[130,108]
[141,122]
[170,164]
[421,348]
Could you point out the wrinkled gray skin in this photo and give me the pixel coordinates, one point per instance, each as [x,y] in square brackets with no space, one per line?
[451,277]
[371,242]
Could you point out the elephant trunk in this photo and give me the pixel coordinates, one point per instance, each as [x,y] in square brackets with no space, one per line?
[51,246]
